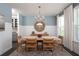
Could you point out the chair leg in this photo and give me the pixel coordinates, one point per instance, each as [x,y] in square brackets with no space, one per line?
[27,49]
[61,48]
[17,49]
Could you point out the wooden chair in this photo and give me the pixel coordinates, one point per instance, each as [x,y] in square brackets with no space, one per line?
[20,44]
[48,44]
[31,43]
[61,44]
[55,44]
[61,37]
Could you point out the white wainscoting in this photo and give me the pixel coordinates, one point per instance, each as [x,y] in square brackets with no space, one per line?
[27,30]
[6,38]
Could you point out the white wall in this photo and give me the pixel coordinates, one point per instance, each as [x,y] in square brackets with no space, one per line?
[6,38]
[27,30]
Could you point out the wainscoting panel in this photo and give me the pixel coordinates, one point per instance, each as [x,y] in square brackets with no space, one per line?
[27,30]
[6,38]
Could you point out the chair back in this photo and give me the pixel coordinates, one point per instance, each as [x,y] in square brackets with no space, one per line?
[61,37]
[48,40]
[31,41]
[19,39]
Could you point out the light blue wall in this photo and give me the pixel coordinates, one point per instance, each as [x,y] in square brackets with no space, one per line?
[29,20]
[6,12]
[51,20]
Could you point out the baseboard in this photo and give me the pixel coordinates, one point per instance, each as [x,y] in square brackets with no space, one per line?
[71,52]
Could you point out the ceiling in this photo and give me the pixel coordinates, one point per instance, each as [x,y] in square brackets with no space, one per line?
[33,10]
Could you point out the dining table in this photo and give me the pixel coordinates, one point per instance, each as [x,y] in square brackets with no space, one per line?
[41,38]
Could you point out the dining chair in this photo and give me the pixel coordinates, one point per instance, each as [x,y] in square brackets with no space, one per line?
[31,43]
[61,44]
[20,44]
[48,44]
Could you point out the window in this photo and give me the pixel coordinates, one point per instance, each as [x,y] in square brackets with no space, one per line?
[76,24]
[14,24]
[60,20]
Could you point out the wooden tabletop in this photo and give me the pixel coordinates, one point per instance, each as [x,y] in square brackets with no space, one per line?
[41,38]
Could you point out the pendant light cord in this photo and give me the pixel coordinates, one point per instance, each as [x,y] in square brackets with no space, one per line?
[39,9]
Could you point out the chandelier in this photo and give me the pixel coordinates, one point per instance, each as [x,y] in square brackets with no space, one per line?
[39,23]
[39,17]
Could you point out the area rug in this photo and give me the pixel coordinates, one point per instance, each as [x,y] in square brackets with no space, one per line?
[56,52]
